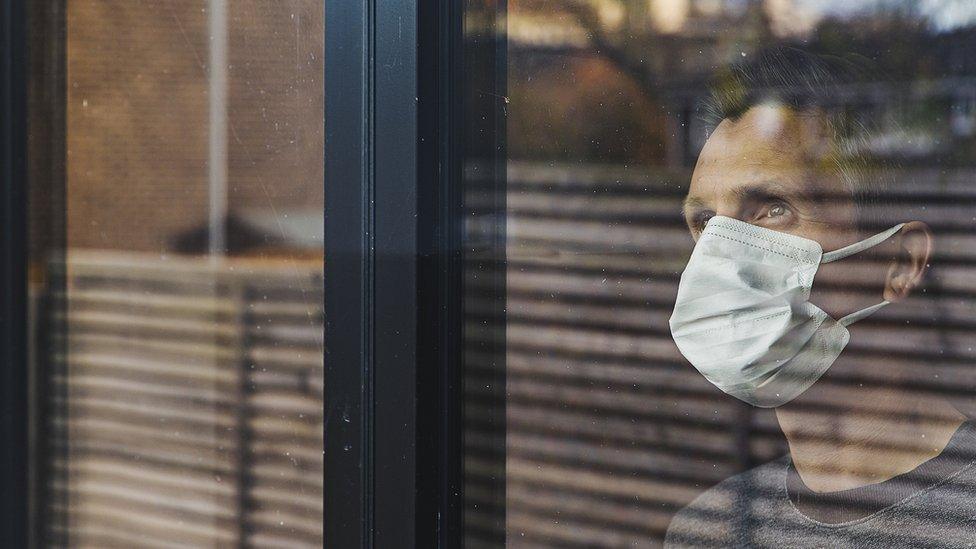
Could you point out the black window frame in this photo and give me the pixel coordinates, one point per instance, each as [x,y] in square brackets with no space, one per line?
[15,467]
[404,118]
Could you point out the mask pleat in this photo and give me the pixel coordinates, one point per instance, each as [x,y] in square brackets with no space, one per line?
[742,315]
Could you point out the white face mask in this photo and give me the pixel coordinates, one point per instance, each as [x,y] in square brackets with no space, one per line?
[742,316]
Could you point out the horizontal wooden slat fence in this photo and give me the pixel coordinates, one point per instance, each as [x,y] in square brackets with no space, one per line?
[186,403]
[188,395]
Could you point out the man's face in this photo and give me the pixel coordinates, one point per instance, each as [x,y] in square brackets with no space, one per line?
[772,167]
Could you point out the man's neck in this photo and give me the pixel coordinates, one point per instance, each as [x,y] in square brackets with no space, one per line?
[889,434]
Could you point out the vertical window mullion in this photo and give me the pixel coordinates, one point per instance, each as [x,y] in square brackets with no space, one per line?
[13,276]
[347,279]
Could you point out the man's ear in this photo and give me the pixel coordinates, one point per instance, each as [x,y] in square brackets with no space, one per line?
[907,269]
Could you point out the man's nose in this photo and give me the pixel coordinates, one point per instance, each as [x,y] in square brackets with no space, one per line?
[731,211]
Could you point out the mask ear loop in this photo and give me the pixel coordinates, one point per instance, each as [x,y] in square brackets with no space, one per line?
[857,316]
[854,248]
[857,247]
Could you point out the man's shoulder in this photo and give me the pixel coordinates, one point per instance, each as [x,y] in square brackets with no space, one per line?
[713,519]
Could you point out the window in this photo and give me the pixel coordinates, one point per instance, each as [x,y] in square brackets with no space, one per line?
[602,273]
[175,272]
[641,131]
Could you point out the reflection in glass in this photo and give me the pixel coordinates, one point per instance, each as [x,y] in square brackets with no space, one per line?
[177,268]
[632,125]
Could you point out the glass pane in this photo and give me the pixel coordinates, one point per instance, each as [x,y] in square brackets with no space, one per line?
[176,268]
[686,361]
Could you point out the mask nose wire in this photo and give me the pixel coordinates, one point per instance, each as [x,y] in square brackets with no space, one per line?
[857,247]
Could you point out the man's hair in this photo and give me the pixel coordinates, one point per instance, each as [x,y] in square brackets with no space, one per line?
[812,84]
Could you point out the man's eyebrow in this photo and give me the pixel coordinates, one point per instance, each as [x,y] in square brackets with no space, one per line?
[760,190]
[775,189]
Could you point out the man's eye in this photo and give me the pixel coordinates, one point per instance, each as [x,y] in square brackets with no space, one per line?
[776,210]
[701,220]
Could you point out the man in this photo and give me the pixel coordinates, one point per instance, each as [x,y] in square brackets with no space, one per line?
[784,189]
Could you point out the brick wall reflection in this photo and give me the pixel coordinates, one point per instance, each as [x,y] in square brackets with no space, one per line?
[137,117]
[182,394]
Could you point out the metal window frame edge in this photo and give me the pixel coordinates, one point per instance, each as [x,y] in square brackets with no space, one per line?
[14,395]
[347,272]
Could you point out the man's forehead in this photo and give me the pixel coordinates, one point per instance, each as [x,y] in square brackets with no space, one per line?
[768,148]
[765,122]
[767,136]
[736,177]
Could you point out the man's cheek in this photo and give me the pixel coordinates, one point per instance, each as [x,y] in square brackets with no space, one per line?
[848,285]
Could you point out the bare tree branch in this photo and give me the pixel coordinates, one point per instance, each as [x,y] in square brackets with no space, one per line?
[587,17]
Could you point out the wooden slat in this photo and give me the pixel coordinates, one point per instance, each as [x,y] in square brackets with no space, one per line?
[187,406]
